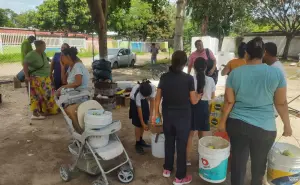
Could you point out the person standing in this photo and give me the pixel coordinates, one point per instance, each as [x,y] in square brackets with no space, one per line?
[154,52]
[55,70]
[248,114]
[177,92]
[200,112]
[209,58]
[37,73]
[26,47]
[235,63]
[270,58]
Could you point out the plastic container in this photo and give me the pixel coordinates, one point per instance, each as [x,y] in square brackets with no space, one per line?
[158,148]
[213,162]
[96,119]
[283,169]
[98,141]
[216,111]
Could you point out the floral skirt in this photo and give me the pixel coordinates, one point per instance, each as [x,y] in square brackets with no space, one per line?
[42,96]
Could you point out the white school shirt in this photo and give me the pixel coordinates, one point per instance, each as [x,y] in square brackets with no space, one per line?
[139,96]
[278,65]
[208,89]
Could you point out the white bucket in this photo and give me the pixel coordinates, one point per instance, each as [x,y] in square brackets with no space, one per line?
[213,162]
[282,169]
[158,148]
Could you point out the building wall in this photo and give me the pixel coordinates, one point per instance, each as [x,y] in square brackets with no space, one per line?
[229,44]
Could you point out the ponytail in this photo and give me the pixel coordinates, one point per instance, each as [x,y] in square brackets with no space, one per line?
[200,66]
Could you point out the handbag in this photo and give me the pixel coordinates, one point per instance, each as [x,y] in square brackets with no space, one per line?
[21,74]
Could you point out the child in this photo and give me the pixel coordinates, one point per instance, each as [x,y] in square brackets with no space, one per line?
[139,111]
[176,88]
[200,111]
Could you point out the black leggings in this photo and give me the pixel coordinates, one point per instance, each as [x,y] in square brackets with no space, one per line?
[247,139]
[177,125]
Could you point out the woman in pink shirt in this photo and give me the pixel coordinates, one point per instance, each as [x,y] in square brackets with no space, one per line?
[209,58]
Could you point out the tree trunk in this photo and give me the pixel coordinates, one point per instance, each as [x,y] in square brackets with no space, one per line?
[98,9]
[289,39]
[180,14]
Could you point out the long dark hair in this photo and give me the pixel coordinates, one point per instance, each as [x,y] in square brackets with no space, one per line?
[200,66]
[179,59]
[72,52]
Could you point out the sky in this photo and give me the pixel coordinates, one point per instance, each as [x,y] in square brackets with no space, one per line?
[19,6]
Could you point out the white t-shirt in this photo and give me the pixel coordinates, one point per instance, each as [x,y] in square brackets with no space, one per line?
[208,89]
[278,65]
[139,96]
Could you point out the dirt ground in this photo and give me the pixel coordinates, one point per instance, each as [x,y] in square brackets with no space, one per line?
[32,155]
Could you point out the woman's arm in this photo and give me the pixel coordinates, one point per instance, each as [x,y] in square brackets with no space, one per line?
[229,101]
[157,103]
[63,73]
[282,109]
[213,95]
[26,71]
[77,82]
[51,69]
[195,97]
[225,71]
[152,105]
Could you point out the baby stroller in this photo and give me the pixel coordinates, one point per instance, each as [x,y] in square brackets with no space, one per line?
[96,143]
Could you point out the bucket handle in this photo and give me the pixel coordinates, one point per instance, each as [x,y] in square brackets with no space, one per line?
[292,137]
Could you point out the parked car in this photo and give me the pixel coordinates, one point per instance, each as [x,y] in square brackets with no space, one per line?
[120,57]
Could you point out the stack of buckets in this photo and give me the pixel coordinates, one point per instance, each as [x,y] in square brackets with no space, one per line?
[284,170]
[213,162]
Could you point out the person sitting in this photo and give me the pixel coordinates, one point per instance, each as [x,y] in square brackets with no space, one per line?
[55,70]
[77,76]
[237,62]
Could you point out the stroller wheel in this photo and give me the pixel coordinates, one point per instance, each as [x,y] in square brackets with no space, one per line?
[65,173]
[125,175]
[98,182]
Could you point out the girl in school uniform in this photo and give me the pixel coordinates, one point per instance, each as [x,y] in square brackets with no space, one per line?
[140,112]
[177,91]
[200,111]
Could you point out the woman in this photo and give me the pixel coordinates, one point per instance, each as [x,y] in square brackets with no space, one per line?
[37,72]
[177,90]
[77,76]
[200,111]
[248,114]
[55,70]
[235,63]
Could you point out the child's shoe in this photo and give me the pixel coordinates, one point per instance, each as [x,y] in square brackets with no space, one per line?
[144,144]
[139,149]
[166,173]
[186,180]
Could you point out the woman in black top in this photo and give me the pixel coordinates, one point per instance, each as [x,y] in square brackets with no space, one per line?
[177,90]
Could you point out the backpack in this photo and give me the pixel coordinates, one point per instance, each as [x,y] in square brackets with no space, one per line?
[210,65]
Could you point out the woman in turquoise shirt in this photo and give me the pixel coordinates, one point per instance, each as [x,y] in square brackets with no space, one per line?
[248,114]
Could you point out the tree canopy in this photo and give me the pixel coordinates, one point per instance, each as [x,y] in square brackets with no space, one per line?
[154,22]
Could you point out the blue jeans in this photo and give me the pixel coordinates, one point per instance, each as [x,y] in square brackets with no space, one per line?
[153,59]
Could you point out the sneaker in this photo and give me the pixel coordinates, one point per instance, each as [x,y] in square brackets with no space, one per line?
[188,163]
[166,173]
[144,144]
[139,149]
[39,117]
[186,180]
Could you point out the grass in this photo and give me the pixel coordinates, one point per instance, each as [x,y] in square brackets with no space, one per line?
[16,57]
